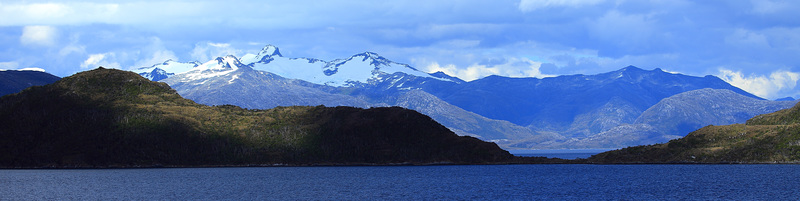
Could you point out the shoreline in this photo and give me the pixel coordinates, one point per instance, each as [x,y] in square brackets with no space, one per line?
[520,161]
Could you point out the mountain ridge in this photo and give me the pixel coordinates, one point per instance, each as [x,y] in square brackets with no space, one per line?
[678,115]
[560,109]
[112,118]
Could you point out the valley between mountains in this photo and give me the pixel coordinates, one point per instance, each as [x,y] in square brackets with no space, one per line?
[627,107]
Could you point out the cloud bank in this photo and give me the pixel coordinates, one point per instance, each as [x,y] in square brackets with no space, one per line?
[470,39]
[38,36]
[778,82]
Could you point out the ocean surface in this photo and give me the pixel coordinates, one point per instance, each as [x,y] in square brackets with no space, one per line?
[456,182]
[559,153]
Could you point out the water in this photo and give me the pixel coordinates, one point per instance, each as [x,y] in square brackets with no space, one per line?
[559,153]
[481,182]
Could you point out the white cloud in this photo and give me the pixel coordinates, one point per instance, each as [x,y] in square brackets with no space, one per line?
[207,51]
[32,69]
[43,11]
[58,13]
[768,6]
[154,53]
[93,59]
[38,36]
[531,5]
[156,57]
[624,29]
[747,39]
[459,43]
[12,65]
[9,65]
[72,49]
[102,59]
[513,67]
[779,84]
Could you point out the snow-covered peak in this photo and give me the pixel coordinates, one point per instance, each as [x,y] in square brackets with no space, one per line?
[170,66]
[166,69]
[374,63]
[359,68]
[264,56]
[229,62]
[270,50]
[369,57]
[216,67]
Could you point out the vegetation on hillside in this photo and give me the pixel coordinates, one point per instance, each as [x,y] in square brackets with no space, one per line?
[112,118]
[768,138]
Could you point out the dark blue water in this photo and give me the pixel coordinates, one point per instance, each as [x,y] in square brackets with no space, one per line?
[559,153]
[482,182]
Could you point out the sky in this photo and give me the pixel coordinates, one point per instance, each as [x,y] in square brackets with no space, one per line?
[752,44]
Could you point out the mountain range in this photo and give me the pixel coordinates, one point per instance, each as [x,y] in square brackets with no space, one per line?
[114,118]
[110,118]
[571,111]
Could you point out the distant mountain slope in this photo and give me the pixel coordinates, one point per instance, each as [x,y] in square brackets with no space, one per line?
[559,112]
[677,115]
[112,118]
[13,81]
[686,112]
[768,138]
[252,89]
[165,70]
[575,105]
[464,122]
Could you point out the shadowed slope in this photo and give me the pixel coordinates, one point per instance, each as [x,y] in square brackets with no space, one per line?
[112,118]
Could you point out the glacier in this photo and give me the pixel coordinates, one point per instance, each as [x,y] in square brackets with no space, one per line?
[359,68]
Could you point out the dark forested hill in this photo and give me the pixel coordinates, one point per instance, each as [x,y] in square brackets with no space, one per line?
[112,118]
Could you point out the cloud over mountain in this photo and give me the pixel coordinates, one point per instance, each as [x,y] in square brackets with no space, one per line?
[563,37]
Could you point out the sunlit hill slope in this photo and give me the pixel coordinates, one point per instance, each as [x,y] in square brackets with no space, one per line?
[767,138]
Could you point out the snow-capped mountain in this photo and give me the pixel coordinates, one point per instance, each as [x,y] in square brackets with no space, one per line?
[265,55]
[164,70]
[363,68]
[358,69]
[221,83]
[228,81]
[216,67]
[555,112]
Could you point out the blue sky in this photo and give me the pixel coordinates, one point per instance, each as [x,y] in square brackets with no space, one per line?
[753,44]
